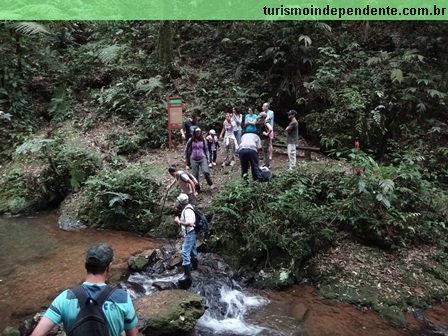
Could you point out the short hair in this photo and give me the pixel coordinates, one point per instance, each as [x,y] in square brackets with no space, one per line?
[98,258]
[95,269]
[172,169]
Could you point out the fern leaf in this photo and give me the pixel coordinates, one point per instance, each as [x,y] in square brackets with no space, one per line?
[149,85]
[31,28]
[109,53]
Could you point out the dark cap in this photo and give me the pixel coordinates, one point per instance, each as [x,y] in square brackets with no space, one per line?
[100,254]
[292,112]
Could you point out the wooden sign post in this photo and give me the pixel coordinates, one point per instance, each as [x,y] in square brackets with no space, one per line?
[175,116]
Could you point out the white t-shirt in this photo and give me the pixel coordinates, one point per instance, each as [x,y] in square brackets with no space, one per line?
[250,141]
[188,216]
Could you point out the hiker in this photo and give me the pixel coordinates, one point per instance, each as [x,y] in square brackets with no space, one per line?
[186,182]
[196,153]
[237,118]
[264,132]
[189,126]
[117,308]
[250,121]
[187,222]
[270,119]
[229,140]
[213,145]
[248,154]
[292,137]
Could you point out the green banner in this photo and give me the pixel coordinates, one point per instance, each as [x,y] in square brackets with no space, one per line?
[222,10]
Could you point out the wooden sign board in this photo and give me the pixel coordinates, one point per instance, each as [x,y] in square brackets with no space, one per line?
[175,115]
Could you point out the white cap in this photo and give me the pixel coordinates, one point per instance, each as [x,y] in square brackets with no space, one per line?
[212,132]
[182,199]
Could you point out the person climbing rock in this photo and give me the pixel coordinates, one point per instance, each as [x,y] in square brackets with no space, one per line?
[187,221]
[186,182]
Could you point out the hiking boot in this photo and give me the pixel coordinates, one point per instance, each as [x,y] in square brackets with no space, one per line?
[232,163]
[223,164]
[210,165]
[186,280]
[194,264]
[214,163]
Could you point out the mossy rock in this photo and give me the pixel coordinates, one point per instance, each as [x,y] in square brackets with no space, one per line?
[137,263]
[170,312]
[273,280]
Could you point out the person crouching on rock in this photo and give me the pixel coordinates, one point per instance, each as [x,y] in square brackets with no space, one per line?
[187,222]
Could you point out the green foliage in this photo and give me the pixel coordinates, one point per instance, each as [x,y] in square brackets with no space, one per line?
[74,164]
[60,107]
[285,214]
[125,199]
[297,215]
[126,143]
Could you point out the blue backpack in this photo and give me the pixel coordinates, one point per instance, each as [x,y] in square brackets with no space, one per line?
[201,224]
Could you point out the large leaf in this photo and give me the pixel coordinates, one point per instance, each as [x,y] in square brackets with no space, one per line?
[387,186]
[396,75]
[31,28]
[306,40]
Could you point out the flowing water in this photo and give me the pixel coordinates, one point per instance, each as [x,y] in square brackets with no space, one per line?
[37,261]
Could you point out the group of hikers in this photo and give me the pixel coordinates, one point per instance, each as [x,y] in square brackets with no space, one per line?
[241,136]
[242,139]
[95,308]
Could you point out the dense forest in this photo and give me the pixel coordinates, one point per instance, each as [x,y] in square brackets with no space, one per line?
[83,102]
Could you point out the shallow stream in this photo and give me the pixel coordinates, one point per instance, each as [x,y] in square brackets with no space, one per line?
[37,261]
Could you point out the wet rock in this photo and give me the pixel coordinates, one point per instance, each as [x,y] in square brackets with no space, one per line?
[164,285]
[174,261]
[69,223]
[10,331]
[150,254]
[170,312]
[137,263]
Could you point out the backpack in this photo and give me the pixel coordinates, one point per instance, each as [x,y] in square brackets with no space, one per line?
[201,223]
[90,319]
[195,181]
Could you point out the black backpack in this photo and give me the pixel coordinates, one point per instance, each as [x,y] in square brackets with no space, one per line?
[201,224]
[90,320]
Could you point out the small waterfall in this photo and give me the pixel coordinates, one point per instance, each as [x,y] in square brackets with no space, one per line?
[231,320]
[228,304]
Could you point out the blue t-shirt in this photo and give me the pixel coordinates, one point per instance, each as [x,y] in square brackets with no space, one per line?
[118,309]
[250,128]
